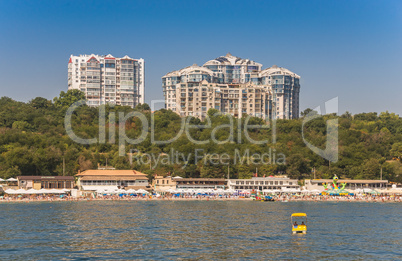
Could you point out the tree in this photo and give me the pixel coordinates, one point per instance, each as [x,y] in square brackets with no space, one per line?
[296,166]
[21,125]
[371,169]
[142,107]
[66,99]
[40,103]
[244,171]
[211,112]
[396,151]
[346,115]
[307,112]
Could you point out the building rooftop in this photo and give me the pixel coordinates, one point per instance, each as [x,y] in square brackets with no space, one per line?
[277,70]
[71,178]
[198,179]
[230,59]
[110,172]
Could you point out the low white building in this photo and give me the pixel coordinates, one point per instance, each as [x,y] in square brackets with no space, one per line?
[264,183]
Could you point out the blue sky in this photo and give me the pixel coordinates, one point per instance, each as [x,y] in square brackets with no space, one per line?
[346,49]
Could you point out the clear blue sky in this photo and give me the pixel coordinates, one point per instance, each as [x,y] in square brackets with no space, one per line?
[350,49]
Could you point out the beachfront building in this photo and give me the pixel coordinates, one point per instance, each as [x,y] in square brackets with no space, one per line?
[107,79]
[161,183]
[282,183]
[108,179]
[200,183]
[45,182]
[317,184]
[233,86]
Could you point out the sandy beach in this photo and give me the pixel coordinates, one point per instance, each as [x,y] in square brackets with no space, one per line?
[279,198]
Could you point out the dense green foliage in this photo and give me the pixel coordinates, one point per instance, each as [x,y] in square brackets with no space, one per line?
[33,141]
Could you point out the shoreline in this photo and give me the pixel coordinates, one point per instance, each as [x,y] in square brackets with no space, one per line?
[378,199]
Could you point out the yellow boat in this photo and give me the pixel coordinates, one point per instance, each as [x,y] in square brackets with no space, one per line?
[299,228]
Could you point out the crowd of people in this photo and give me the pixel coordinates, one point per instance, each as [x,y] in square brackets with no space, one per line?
[282,197]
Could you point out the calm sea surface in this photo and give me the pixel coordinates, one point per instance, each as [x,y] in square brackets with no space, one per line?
[199,230]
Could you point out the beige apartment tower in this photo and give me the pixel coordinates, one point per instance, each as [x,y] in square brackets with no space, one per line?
[106,79]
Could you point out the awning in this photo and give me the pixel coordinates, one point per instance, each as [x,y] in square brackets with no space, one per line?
[99,188]
[299,215]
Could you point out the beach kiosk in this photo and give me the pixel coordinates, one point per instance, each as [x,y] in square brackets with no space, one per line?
[300,227]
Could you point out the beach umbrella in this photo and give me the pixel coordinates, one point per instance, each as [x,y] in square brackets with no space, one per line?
[12,179]
[10,191]
[100,191]
[43,191]
[20,191]
[1,179]
[31,191]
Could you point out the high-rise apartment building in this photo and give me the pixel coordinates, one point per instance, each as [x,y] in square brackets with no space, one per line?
[237,86]
[196,98]
[106,79]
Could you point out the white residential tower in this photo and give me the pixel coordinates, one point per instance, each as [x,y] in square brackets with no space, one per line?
[106,79]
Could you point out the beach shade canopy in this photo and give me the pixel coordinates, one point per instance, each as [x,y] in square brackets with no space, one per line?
[1,179]
[299,215]
[32,191]
[19,191]
[142,191]
[358,191]
[44,191]
[57,191]
[12,179]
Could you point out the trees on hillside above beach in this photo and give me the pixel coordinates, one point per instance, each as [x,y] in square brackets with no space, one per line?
[34,141]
